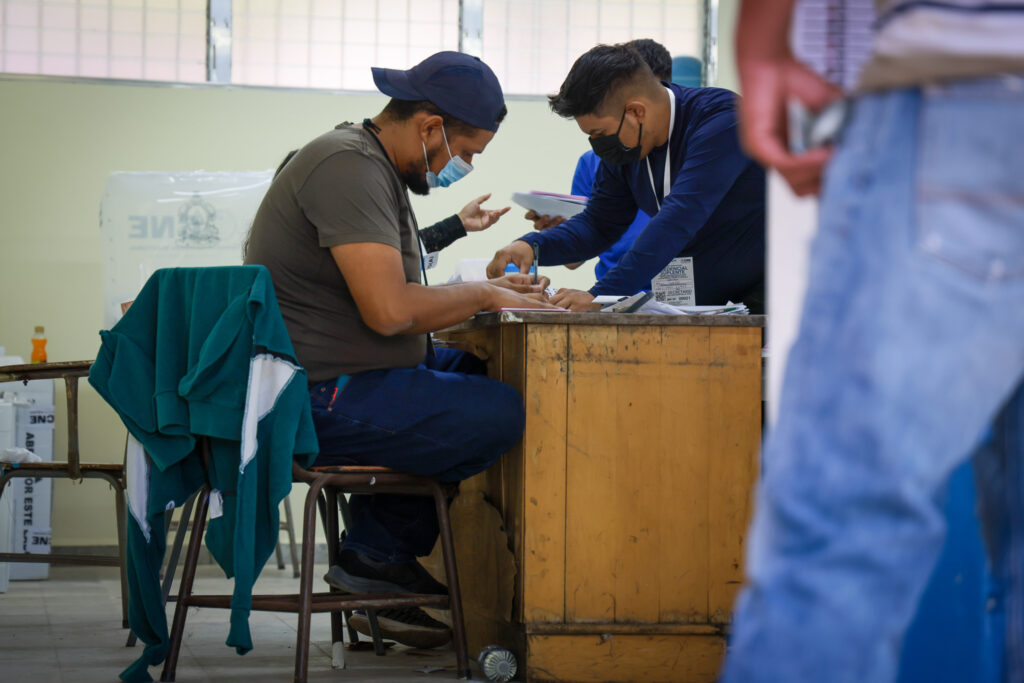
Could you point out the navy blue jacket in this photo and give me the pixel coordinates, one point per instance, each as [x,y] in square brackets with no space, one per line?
[714,213]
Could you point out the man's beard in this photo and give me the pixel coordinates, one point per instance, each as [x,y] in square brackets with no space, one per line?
[415,178]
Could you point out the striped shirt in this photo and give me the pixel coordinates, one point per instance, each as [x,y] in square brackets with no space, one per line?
[927,41]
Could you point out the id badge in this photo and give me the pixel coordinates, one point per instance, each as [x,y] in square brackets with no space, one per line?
[674,285]
[429,260]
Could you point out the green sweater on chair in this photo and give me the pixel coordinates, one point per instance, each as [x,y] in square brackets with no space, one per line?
[204,352]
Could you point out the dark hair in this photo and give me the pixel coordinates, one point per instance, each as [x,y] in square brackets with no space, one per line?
[403,110]
[656,56]
[287,158]
[597,73]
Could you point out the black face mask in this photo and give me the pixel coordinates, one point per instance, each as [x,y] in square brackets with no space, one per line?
[612,151]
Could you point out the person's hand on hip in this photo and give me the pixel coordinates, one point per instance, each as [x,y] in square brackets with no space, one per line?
[770,76]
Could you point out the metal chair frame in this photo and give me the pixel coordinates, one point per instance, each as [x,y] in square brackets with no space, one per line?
[332,482]
[73,468]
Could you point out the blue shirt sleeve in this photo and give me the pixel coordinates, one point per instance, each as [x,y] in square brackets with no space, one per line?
[714,160]
[608,215]
[583,178]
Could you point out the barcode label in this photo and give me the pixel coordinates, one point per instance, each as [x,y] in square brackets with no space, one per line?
[674,285]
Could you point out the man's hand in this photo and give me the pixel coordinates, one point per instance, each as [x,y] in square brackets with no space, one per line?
[519,252]
[475,218]
[522,283]
[502,297]
[543,222]
[575,300]
[770,76]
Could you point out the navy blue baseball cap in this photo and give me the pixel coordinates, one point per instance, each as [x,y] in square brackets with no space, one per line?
[458,84]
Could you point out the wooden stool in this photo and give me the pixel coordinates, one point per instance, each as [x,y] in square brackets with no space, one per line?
[332,481]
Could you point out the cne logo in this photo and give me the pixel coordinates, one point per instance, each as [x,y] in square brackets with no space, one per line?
[196,226]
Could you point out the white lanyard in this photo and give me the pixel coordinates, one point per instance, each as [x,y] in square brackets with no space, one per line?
[667,187]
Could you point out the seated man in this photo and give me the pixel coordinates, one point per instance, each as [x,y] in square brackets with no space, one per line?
[338,234]
[672,152]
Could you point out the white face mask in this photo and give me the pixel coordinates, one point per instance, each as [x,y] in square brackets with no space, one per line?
[455,169]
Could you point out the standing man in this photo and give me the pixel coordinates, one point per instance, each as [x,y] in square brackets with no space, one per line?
[660,61]
[338,234]
[673,152]
[910,353]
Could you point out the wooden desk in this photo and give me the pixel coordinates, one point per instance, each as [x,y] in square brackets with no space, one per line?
[626,505]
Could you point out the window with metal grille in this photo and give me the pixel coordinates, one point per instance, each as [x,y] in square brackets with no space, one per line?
[531,44]
[333,43]
[162,40]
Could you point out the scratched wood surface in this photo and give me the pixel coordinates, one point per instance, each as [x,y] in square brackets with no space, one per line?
[734,435]
[645,407]
[627,501]
[543,486]
[674,658]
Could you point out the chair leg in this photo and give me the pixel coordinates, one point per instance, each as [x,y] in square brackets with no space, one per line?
[278,555]
[346,522]
[346,511]
[188,576]
[378,640]
[306,580]
[172,560]
[371,615]
[331,534]
[290,522]
[119,501]
[451,572]
[179,543]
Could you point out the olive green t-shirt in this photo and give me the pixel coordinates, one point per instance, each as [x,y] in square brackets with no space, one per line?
[340,188]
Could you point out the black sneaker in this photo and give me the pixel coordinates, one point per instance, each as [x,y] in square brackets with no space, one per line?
[408,625]
[357,573]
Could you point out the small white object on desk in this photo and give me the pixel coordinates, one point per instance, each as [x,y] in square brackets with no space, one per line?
[536,310]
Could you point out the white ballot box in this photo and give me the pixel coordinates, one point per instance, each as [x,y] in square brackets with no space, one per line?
[31,498]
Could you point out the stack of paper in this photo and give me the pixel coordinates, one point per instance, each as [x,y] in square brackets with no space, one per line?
[612,304]
[728,309]
[551,203]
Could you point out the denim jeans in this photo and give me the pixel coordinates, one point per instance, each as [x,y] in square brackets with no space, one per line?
[443,419]
[911,346]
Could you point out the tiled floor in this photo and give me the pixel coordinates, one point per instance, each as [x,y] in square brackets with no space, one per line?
[68,629]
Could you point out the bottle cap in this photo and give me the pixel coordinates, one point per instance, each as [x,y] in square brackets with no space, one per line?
[39,329]
[513,268]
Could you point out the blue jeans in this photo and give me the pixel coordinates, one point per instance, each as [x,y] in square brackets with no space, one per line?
[443,419]
[910,347]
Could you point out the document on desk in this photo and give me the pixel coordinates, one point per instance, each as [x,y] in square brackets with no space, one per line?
[551,203]
[651,306]
[534,310]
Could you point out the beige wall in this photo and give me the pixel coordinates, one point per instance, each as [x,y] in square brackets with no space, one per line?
[60,140]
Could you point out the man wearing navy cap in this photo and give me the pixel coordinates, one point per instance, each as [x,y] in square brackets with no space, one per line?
[338,234]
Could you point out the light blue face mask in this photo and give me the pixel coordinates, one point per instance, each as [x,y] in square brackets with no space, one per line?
[455,169]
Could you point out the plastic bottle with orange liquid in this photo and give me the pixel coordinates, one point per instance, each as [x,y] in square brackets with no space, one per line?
[39,345]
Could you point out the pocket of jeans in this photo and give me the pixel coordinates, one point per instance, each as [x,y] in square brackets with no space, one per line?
[320,395]
[970,187]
